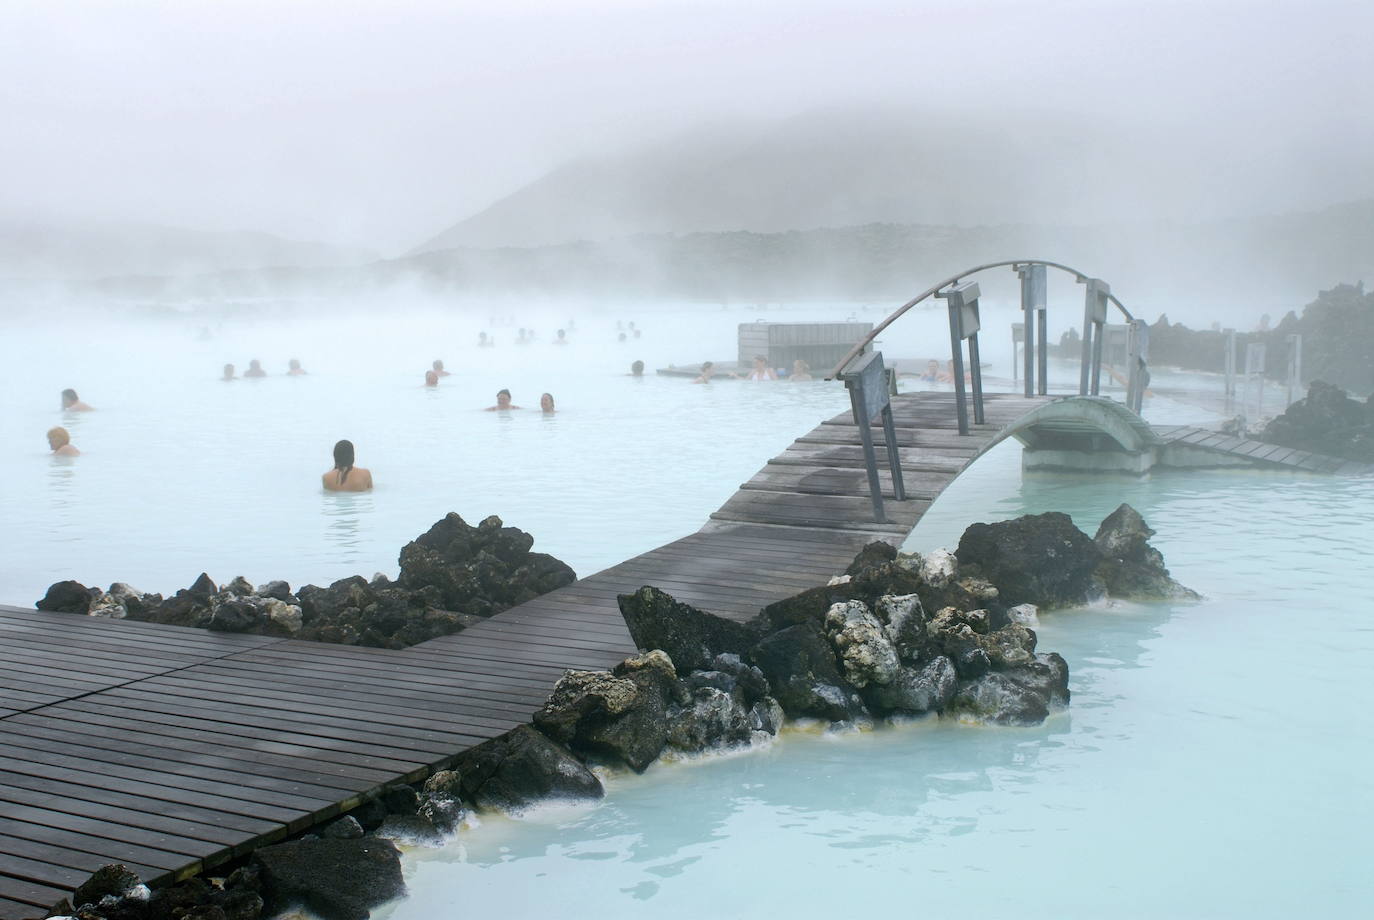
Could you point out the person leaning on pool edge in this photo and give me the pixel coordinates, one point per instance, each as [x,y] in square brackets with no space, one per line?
[345,477]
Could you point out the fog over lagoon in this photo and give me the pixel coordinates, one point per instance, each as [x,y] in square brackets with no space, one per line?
[190,184]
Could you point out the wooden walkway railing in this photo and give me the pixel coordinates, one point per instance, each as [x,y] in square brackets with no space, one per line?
[174,750]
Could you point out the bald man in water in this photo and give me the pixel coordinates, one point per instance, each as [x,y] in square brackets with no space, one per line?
[61,443]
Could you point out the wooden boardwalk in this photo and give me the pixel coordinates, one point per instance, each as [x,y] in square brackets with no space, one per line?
[175,750]
[1260,453]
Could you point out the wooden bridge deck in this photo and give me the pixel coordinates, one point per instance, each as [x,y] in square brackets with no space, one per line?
[175,750]
[1260,452]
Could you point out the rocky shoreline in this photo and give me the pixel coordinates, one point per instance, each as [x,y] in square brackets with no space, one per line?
[897,635]
[451,576]
[1326,421]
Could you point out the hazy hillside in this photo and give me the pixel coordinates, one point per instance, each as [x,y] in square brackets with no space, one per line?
[906,165]
[1257,265]
[32,251]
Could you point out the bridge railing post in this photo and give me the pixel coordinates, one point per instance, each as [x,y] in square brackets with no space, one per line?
[1033,302]
[1294,367]
[1138,358]
[1094,318]
[1230,355]
[964,322]
[870,394]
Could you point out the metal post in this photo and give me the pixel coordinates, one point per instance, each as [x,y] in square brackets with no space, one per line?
[1294,367]
[1094,318]
[956,349]
[875,487]
[1033,287]
[894,461]
[1040,322]
[1230,349]
[976,369]
[1018,335]
[1138,357]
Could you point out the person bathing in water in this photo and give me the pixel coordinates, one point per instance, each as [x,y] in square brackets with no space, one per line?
[61,443]
[801,372]
[761,370]
[439,368]
[255,369]
[294,369]
[431,378]
[708,370]
[345,477]
[546,404]
[228,373]
[72,403]
[502,402]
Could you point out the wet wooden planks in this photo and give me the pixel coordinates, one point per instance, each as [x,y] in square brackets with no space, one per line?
[1261,452]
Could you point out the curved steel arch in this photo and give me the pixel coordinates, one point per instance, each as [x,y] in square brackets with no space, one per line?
[955,279]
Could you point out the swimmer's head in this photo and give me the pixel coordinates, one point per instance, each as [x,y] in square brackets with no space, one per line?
[58,438]
[69,398]
[707,365]
[546,402]
[294,364]
[800,367]
[228,372]
[439,365]
[562,334]
[760,361]
[503,397]
[431,379]
[255,365]
[932,365]
[637,368]
[343,455]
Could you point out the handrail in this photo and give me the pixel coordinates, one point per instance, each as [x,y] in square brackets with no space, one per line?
[955,279]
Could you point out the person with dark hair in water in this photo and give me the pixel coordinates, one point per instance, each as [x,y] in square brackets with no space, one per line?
[228,373]
[255,369]
[72,403]
[294,369]
[637,369]
[502,402]
[439,368]
[546,404]
[345,477]
[431,378]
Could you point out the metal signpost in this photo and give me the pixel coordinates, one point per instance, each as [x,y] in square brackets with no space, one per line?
[1254,367]
[962,301]
[1094,318]
[1034,300]
[1138,360]
[1230,335]
[1294,367]
[869,394]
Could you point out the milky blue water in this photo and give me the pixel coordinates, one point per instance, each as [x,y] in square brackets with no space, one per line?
[1214,761]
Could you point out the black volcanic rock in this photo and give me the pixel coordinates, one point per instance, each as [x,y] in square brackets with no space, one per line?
[522,768]
[690,637]
[66,597]
[337,879]
[1130,566]
[1040,559]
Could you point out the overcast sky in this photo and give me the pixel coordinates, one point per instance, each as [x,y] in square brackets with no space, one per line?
[382,122]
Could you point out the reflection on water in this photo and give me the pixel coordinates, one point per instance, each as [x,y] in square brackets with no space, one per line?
[344,513]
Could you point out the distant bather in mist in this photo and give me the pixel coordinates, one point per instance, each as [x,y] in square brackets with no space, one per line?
[294,369]
[61,443]
[708,370]
[72,403]
[546,404]
[801,372]
[431,378]
[345,477]
[637,369]
[761,370]
[439,368]
[502,402]
[228,373]
[255,369]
